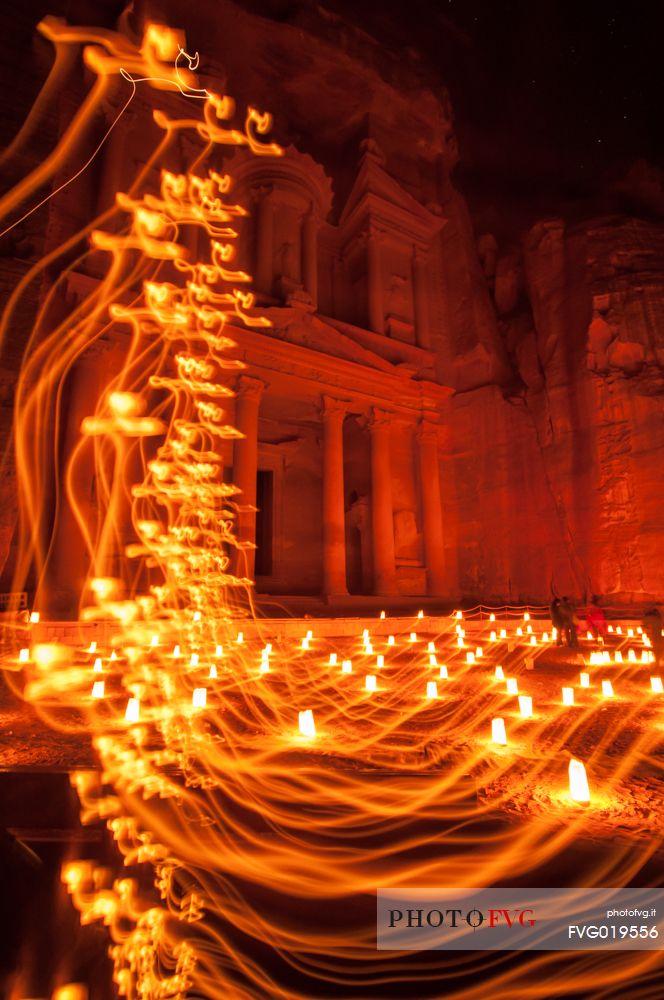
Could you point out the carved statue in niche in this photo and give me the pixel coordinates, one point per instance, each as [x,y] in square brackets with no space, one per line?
[405,534]
[287,260]
[397,297]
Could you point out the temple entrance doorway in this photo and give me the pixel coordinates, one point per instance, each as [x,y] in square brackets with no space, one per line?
[357,463]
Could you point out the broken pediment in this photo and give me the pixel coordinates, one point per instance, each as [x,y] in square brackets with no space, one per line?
[302,328]
[378,198]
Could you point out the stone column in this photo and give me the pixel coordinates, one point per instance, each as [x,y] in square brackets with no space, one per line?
[334,518]
[421,299]
[375,283]
[432,523]
[382,522]
[248,394]
[310,255]
[264,242]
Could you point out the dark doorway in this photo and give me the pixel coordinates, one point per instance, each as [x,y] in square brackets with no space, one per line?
[264,519]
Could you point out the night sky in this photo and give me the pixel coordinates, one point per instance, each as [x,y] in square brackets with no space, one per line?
[558,103]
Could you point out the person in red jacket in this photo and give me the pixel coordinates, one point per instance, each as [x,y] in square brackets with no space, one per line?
[596,619]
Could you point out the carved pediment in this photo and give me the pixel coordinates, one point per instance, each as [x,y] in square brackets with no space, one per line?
[378,198]
[307,330]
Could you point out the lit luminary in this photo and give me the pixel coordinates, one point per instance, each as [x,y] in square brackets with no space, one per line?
[432,689]
[529,629]
[645,656]
[525,706]
[578,782]
[610,628]
[333,659]
[619,630]
[98,689]
[239,638]
[382,614]
[443,671]
[176,651]
[526,616]
[606,656]
[500,673]
[370,682]
[492,637]
[519,631]
[197,616]
[460,643]
[365,634]
[34,618]
[554,634]
[431,647]
[213,672]
[413,636]
[420,614]
[268,646]
[199,698]
[265,666]
[459,614]
[492,617]
[306,724]
[23,655]
[479,652]
[503,633]
[639,629]
[498,734]
[630,633]
[310,635]
[305,643]
[545,636]
[607,689]
[92,648]
[154,640]
[433,662]
[585,680]
[113,655]
[512,685]
[390,640]
[96,666]
[631,656]
[470,658]
[380,660]
[617,656]
[193,660]
[656,685]
[589,635]
[133,710]
[368,649]
[533,640]
[347,667]
[568,696]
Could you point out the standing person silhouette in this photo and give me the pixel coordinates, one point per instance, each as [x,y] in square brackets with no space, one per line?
[557,620]
[570,620]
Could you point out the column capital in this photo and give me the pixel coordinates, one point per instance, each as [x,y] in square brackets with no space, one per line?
[333,408]
[380,418]
[247,387]
[374,234]
[426,432]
